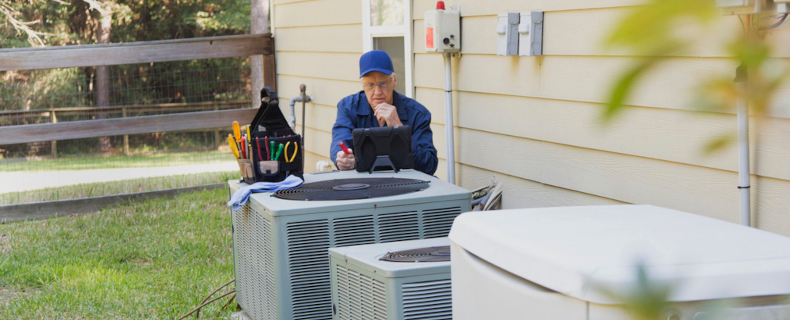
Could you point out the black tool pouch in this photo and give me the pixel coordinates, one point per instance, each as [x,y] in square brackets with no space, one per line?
[269,125]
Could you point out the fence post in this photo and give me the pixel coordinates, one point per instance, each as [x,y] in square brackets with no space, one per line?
[216,132]
[126,136]
[54,119]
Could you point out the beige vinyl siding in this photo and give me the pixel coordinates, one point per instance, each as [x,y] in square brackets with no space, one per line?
[317,13]
[492,7]
[534,122]
[317,43]
[336,38]
[540,195]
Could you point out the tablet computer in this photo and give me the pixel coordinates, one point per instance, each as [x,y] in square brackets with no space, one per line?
[383,148]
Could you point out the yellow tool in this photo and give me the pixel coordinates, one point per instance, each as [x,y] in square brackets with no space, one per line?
[236,131]
[249,143]
[233,147]
[296,149]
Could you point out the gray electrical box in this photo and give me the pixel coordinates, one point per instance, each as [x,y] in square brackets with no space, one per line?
[443,30]
[530,33]
[507,34]
[738,7]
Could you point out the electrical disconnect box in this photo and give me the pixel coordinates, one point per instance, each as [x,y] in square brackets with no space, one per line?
[507,34]
[733,7]
[442,29]
[530,33]
[782,6]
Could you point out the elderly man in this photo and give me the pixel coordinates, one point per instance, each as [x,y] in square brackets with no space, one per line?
[378,105]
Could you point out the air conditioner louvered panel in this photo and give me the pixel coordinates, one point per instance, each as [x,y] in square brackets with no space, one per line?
[399,226]
[255,275]
[241,248]
[437,222]
[427,300]
[353,231]
[309,269]
[359,297]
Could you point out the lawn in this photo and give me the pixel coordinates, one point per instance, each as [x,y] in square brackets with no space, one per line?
[150,260]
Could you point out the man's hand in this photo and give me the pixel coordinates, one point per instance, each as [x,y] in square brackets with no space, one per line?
[345,161]
[386,112]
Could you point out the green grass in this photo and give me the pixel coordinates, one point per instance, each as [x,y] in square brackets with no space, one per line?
[151,260]
[160,159]
[117,187]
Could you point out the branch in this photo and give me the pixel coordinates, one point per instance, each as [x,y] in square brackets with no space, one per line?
[33,36]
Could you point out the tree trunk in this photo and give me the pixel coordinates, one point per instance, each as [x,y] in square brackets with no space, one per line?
[102,93]
[259,24]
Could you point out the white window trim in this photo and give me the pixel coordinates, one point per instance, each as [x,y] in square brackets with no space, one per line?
[406,30]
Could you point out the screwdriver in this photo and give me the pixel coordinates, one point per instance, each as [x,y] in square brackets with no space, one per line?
[279,149]
[237,133]
[249,141]
[244,148]
[233,146]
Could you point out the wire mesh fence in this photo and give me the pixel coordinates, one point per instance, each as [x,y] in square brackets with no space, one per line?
[76,168]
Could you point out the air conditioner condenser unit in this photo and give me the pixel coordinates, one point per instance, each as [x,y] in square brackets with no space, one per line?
[565,263]
[280,246]
[412,283]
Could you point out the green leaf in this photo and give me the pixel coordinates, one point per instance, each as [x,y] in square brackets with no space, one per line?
[622,89]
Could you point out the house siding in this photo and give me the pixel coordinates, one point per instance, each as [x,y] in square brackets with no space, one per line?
[535,122]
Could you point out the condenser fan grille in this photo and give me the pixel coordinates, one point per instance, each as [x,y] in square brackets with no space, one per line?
[349,189]
[430,254]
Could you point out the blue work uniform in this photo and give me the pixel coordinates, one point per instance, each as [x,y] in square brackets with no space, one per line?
[354,112]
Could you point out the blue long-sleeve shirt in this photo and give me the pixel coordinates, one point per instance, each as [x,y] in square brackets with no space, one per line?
[354,112]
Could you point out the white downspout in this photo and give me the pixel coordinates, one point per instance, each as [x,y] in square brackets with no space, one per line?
[743,146]
[448,117]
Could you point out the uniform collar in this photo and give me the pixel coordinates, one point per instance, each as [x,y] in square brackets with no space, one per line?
[397,100]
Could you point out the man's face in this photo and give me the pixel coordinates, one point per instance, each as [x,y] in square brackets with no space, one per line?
[378,87]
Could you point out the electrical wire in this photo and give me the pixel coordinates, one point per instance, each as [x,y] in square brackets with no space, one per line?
[777,24]
[203,303]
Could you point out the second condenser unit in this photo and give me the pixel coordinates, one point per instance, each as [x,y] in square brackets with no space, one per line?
[412,282]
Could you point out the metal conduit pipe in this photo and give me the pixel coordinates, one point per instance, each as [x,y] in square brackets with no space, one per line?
[303,98]
[743,147]
[448,117]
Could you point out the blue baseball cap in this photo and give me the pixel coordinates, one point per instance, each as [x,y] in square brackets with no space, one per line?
[375,60]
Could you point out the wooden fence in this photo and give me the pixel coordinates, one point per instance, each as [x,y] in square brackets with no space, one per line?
[31,133]
[115,54]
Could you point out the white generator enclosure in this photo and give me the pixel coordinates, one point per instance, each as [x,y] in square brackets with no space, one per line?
[280,246]
[364,287]
[551,263]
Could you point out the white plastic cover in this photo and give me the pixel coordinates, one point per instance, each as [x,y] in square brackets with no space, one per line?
[576,250]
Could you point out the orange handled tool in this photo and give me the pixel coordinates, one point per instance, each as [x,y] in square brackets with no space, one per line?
[236,131]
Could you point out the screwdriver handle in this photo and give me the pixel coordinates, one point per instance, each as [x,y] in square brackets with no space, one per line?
[279,150]
[236,131]
[233,147]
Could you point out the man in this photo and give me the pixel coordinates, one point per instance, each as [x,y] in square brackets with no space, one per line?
[378,105]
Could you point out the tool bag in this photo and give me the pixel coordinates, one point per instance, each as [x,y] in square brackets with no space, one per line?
[269,126]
